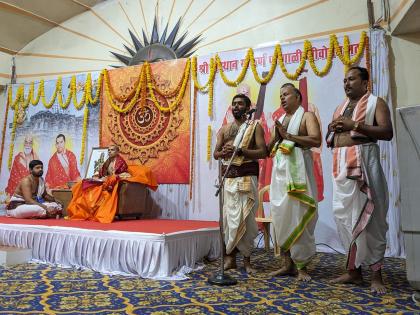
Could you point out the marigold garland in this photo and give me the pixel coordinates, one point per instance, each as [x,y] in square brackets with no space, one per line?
[368,63]
[209,136]
[84,133]
[4,132]
[193,131]
[134,99]
[12,137]
[270,73]
[328,64]
[179,97]
[21,103]
[307,55]
[209,86]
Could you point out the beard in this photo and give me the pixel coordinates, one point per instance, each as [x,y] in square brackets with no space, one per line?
[239,114]
[39,174]
[27,151]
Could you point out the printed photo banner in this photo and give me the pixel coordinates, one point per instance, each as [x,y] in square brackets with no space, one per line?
[145,134]
[321,95]
[53,135]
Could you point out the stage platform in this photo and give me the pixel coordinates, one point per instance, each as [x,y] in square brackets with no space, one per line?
[157,249]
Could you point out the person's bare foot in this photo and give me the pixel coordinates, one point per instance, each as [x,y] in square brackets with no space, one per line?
[303,275]
[288,269]
[377,283]
[248,266]
[230,262]
[352,276]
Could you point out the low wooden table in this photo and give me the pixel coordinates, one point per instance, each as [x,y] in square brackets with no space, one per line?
[63,196]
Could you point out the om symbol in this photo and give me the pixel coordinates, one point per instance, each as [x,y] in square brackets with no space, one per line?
[144,117]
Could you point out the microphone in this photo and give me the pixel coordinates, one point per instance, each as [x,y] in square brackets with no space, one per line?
[250,112]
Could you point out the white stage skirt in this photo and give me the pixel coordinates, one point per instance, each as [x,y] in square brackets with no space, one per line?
[156,256]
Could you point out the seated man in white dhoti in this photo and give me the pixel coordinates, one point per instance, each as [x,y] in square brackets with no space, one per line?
[360,194]
[293,195]
[30,199]
[240,195]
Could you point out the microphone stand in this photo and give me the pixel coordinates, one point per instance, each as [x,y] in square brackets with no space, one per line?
[220,278]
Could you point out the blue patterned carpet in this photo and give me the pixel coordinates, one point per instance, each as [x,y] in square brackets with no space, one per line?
[42,289]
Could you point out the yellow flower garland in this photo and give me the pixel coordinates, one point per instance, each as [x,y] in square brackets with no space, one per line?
[84,134]
[181,93]
[133,100]
[209,86]
[328,64]
[209,135]
[22,102]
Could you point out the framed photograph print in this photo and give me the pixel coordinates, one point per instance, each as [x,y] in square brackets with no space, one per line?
[97,157]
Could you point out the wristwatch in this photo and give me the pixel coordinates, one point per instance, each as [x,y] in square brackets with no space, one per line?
[355,126]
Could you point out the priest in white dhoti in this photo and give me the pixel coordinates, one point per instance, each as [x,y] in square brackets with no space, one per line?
[360,194]
[240,194]
[30,199]
[293,195]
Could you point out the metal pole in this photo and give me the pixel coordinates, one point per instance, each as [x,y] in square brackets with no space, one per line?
[220,278]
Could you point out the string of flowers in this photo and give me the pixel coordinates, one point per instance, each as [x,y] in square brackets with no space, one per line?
[368,63]
[4,133]
[345,55]
[57,95]
[12,137]
[298,71]
[212,74]
[134,99]
[88,89]
[307,55]
[84,134]
[210,104]
[328,64]
[273,67]
[169,94]
[241,76]
[209,86]
[209,135]
[180,96]
[193,131]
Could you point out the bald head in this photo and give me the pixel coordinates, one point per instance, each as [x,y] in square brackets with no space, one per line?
[113,150]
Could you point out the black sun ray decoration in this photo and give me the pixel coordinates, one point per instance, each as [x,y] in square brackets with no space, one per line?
[158,48]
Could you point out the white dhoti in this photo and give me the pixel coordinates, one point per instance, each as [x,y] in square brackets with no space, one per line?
[240,201]
[293,220]
[358,223]
[293,197]
[27,211]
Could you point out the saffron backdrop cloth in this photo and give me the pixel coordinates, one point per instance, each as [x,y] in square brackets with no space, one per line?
[98,202]
[146,136]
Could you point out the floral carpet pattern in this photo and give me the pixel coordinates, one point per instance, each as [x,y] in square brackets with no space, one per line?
[43,289]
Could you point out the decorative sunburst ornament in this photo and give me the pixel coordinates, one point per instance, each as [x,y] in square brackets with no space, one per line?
[158,48]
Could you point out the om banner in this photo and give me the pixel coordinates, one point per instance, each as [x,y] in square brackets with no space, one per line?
[145,134]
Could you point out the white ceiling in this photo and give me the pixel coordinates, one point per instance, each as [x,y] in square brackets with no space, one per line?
[21,21]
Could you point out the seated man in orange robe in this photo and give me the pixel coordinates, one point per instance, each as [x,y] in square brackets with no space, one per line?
[96,199]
